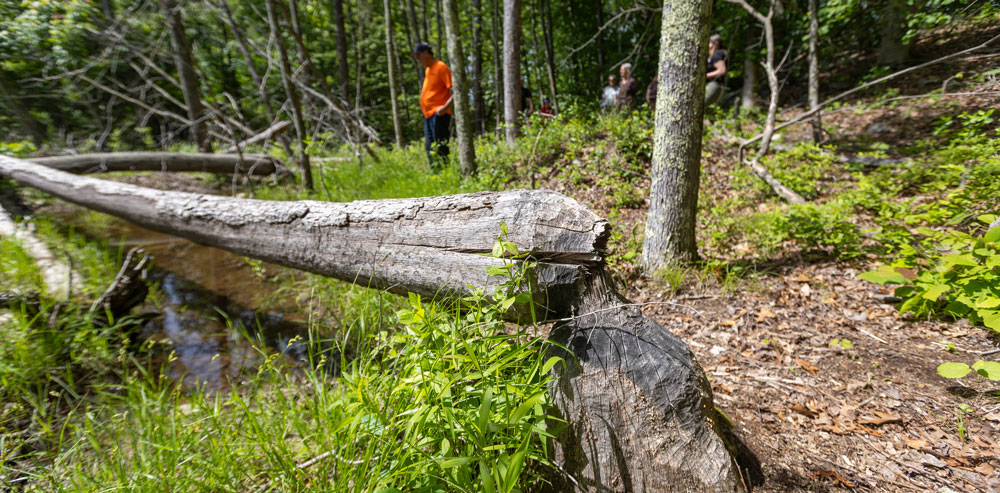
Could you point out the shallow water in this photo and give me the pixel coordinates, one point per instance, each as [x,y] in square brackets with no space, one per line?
[207,311]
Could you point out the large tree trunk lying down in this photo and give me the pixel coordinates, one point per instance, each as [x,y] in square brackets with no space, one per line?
[161,161]
[638,406]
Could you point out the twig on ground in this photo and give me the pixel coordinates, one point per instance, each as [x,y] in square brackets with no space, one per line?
[869,334]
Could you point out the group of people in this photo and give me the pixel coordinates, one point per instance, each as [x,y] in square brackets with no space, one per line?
[625,96]
[436,95]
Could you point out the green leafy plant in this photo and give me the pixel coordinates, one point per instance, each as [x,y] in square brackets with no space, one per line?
[989,370]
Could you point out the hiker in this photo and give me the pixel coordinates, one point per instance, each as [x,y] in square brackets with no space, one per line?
[609,97]
[651,92]
[628,91]
[527,102]
[546,109]
[435,104]
[716,72]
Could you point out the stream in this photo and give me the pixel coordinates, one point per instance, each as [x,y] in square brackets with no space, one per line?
[206,308]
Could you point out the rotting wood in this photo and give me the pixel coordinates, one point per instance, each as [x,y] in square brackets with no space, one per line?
[637,406]
[256,164]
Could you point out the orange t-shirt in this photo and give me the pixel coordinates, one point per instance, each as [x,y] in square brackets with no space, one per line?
[437,88]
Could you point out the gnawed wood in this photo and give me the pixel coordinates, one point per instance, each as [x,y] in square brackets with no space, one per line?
[256,164]
[638,407]
[269,133]
[431,246]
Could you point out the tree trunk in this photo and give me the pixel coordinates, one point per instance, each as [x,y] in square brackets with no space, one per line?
[769,69]
[423,20]
[28,122]
[411,20]
[390,50]
[439,44]
[338,20]
[512,68]
[550,55]
[748,101]
[256,164]
[291,93]
[477,66]
[497,70]
[185,69]
[892,50]
[673,200]
[817,125]
[460,90]
[638,406]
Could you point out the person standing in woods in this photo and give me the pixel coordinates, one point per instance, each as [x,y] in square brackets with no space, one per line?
[628,91]
[716,72]
[527,101]
[609,97]
[651,92]
[435,104]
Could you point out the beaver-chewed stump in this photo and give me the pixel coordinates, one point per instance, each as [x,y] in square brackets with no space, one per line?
[635,408]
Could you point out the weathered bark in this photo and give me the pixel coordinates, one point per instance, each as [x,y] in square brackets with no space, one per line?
[338,21]
[161,161]
[639,408]
[817,125]
[28,122]
[479,108]
[892,50]
[293,95]
[390,50]
[673,200]
[512,68]
[269,133]
[460,91]
[626,377]
[386,244]
[185,69]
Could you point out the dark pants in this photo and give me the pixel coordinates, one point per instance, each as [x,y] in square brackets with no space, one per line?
[437,131]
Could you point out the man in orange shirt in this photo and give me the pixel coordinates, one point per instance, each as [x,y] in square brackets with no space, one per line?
[435,104]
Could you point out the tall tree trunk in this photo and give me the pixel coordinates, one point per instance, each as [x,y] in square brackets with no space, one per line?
[460,90]
[673,200]
[497,64]
[259,84]
[338,21]
[817,125]
[185,68]
[892,50]
[423,21]
[512,68]
[550,54]
[439,44]
[359,54]
[411,21]
[477,66]
[748,101]
[390,50]
[28,122]
[293,95]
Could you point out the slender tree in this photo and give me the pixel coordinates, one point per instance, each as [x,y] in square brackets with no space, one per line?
[673,201]
[477,66]
[411,21]
[769,67]
[459,90]
[748,100]
[497,66]
[293,95]
[550,63]
[512,67]
[185,68]
[390,50]
[817,125]
[338,21]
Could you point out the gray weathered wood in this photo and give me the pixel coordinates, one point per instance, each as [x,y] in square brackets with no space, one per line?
[160,161]
[269,133]
[429,245]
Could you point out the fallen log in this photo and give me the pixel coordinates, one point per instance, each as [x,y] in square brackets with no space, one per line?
[639,408]
[269,133]
[256,164]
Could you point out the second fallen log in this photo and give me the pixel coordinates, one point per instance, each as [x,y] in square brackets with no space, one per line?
[255,164]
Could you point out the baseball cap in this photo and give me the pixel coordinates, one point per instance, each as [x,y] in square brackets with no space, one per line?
[422,47]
